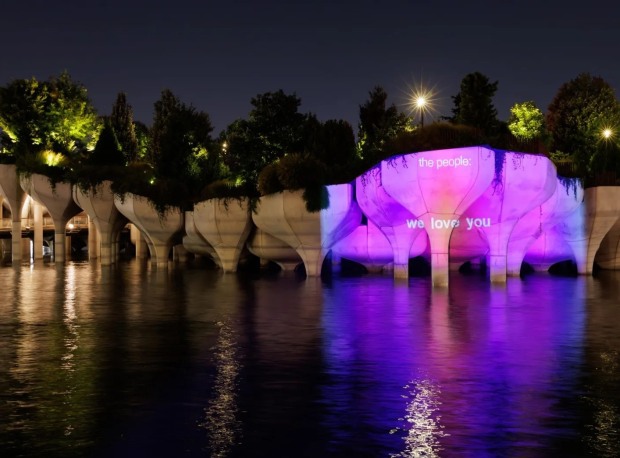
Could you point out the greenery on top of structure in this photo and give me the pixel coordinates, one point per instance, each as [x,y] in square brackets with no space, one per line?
[51,127]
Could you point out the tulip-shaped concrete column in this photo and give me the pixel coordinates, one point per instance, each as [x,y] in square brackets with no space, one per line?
[521,183]
[14,195]
[268,247]
[537,222]
[196,243]
[608,256]
[397,223]
[98,203]
[160,229]
[311,235]
[573,230]
[58,199]
[437,187]
[549,248]
[225,224]
[369,246]
[602,212]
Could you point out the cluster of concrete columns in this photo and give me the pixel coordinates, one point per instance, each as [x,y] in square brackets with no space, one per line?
[450,206]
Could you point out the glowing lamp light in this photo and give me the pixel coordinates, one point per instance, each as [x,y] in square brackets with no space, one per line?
[420,102]
[607,133]
[52,159]
[71,226]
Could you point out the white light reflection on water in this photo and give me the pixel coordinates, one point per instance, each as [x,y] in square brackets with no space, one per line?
[221,416]
[71,340]
[422,423]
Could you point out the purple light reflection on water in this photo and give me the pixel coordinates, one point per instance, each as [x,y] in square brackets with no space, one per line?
[492,356]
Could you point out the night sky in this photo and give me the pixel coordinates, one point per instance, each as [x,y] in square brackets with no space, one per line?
[218,55]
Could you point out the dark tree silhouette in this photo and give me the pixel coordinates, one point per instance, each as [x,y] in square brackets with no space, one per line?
[473,105]
[378,125]
[580,111]
[123,125]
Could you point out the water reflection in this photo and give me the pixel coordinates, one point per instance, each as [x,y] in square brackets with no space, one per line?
[423,427]
[133,361]
[600,397]
[221,417]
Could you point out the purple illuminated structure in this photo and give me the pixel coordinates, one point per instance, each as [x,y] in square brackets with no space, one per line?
[467,204]
[438,187]
[472,204]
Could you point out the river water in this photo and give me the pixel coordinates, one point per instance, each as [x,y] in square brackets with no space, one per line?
[135,361]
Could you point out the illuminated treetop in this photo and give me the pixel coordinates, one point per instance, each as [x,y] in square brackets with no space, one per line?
[54,116]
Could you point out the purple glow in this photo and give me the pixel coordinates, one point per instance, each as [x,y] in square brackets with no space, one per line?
[453,206]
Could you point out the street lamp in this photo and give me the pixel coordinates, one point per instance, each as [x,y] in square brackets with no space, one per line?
[607,133]
[420,104]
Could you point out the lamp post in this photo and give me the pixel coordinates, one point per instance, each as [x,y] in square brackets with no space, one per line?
[420,104]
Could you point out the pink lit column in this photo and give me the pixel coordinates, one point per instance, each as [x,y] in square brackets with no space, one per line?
[397,223]
[437,187]
[521,182]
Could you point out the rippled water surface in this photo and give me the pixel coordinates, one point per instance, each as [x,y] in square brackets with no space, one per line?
[134,361]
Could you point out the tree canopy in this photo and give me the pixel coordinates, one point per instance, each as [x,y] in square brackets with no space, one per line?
[274,127]
[581,109]
[379,124]
[54,115]
[526,121]
[123,125]
[473,105]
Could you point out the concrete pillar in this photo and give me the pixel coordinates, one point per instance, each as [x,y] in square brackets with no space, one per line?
[68,247]
[602,212]
[93,245]
[37,211]
[179,253]
[16,241]
[26,248]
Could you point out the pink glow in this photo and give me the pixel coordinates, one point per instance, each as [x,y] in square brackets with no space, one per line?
[465,203]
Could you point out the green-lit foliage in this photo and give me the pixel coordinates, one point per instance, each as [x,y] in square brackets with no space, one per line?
[526,121]
[142,139]
[473,105]
[54,115]
[578,114]
[378,125]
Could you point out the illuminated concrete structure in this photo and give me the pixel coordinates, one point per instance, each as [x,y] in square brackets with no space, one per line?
[99,205]
[438,187]
[450,206]
[15,196]
[58,199]
[196,243]
[268,247]
[225,224]
[392,219]
[311,235]
[159,230]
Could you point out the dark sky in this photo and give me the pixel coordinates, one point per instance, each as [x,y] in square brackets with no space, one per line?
[218,55]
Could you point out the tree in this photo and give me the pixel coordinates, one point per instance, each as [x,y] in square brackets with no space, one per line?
[581,109]
[526,121]
[181,143]
[54,115]
[123,125]
[107,150]
[379,124]
[333,143]
[273,129]
[473,105]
